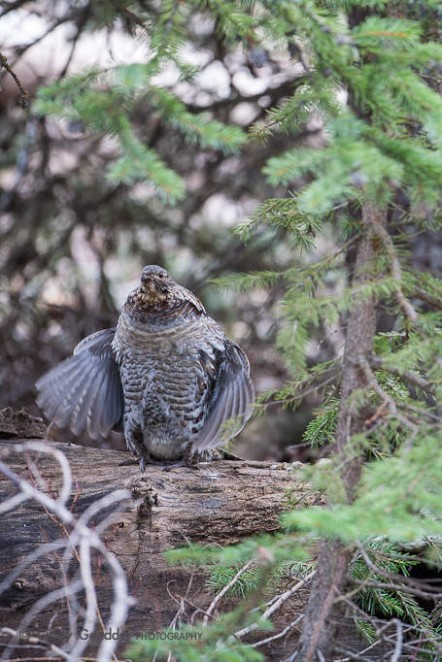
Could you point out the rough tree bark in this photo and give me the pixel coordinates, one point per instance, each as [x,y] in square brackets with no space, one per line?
[220,502]
[320,618]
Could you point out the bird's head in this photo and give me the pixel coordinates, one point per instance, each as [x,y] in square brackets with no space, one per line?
[158,293]
[156,284]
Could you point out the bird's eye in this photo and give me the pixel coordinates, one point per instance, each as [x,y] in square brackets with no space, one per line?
[160,275]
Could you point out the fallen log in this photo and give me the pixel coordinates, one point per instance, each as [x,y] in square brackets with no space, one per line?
[220,502]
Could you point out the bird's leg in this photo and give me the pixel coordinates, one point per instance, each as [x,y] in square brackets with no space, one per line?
[134,440]
[142,461]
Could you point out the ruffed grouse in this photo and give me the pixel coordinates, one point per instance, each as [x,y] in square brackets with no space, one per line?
[167,372]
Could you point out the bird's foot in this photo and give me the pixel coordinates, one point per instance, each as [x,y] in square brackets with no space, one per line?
[213,455]
[141,461]
[226,455]
[128,463]
[188,462]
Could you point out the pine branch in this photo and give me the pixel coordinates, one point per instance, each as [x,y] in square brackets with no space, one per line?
[406,375]
[403,583]
[385,397]
[211,608]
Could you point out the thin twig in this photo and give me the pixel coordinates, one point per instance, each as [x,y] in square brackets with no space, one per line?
[428,298]
[406,375]
[41,447]
[386,397]
[404,588]
[276,605]
[36,641]
[24,99]
[396,271]
[399,639]
[211,608]
[283,632]
[405,584]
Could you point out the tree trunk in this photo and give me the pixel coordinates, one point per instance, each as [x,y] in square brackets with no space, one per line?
[320,618]
[220,502]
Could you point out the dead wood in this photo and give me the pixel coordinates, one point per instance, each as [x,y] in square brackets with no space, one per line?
[221,502]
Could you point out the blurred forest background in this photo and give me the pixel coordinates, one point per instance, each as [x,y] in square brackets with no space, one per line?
[74,233]
[73,239]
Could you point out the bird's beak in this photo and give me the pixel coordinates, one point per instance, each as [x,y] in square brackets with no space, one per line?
[146,282]
[150,284]
[161,287]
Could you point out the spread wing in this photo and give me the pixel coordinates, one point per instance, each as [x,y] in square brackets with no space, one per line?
[231,401]
[84,392]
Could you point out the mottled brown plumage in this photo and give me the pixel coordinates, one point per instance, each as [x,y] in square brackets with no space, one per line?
[167,372]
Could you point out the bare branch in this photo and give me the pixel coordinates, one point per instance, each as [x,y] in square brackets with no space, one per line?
[283,632]
[399,639]
[36,641]
[277,604]
[24,99]
[406,375]
[84,537]
[385,397]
